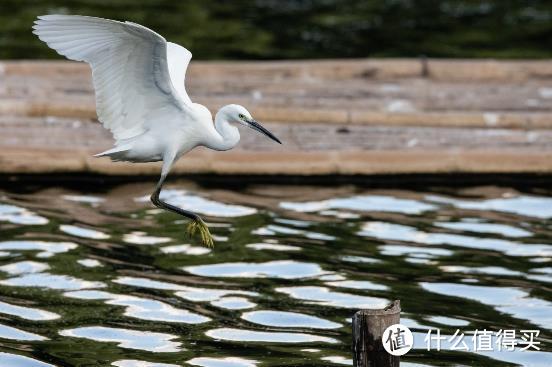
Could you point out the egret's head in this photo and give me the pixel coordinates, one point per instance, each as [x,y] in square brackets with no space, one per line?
[237,113]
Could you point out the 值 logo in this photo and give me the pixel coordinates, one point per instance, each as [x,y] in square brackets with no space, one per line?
[397,340]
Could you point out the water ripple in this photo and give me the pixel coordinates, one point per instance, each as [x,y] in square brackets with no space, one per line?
[27,313]
[284,269]
[358,284]
[185,249]
[83,232]
[222,362]
[449,321]
[23,267]
[125,338]
[13,360]
[512,301]
[147,309]
[242,335]
[399,232]
[288,319]
[273,229]
[47,249]
[8,332]
[148,283]
[338,360]
[89,199]
[141,238]
[326,297]
[530,206]
[89,263]
[276,276]
[366,203]
[273,247]
[137,363]
[469,225]
[201,205]
[51,281]
[193,294]
[233,303]
[17,215]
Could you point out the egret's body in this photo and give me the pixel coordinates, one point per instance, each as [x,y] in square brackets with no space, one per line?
[140,95]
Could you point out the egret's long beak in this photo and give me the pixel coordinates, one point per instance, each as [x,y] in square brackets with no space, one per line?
[256,126]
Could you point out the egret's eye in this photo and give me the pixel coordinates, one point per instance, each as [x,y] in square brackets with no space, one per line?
[241,116]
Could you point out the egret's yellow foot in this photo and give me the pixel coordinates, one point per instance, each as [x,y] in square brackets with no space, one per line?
[199,226]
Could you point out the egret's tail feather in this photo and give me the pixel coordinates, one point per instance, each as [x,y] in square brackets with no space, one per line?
[198,225]
[116,154]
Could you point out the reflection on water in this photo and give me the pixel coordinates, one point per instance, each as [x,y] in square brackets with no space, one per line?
[185,249]
[17,215]
[276,229]
[27,313]
[242,335]
[325,296]
[531,206]
[201,205]
[22,267]
[141,308]
[286,269]
[148,283]
[512,301]
[338,360]
[366,203]
[450,321]
[358,284]
[273,246]
[8,332]
[133,339]
[46,249]
[492,270]
[233,303]
[89,263]
[398,232]
[90,279]
[288,319]
[188,293]
[141,238]
[472,225]
[222,362]
[83,232]
[89,199]
[45,280]
[136,363]
[14,360]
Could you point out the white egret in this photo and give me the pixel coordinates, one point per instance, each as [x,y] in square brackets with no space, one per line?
[140,96]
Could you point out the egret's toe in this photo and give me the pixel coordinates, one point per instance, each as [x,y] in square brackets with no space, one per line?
[199,226]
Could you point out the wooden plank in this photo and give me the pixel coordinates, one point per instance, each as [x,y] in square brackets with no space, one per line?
[334,117]
[63,144]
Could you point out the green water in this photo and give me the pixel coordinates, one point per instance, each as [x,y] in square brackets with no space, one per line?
[96,276]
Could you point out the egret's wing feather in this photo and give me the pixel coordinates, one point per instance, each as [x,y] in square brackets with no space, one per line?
[178,59]
[129,68]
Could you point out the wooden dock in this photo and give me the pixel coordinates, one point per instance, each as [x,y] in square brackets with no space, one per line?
[334,117]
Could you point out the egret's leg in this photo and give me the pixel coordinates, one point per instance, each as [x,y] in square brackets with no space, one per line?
[196,224]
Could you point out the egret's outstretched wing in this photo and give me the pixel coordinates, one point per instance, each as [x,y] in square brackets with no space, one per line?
[178,59]
[130,69]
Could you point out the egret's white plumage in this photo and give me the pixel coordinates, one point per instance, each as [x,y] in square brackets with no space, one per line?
[140,96]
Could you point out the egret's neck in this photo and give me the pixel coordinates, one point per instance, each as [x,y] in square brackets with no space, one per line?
[228,135]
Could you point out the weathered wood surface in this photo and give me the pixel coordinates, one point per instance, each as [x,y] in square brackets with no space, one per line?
[368,328]
[346,117]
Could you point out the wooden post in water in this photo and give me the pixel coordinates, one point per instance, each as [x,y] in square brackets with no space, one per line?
[368,328]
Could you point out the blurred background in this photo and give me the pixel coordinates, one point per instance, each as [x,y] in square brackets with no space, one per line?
[299,29]
[416,165]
